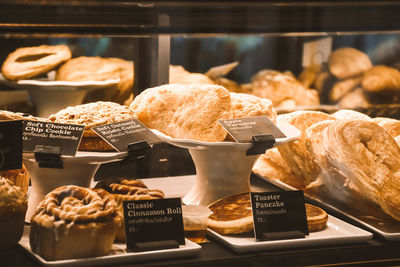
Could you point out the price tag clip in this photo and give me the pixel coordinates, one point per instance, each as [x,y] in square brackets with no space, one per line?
[48,156]
[260,144]
[137,150]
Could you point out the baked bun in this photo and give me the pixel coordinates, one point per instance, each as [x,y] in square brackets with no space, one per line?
[245,105]
[348,62]
[127,190]
[13,205]
[381,78]
[90,115]
[185,111]
[28,62]
[73,222]
[283,89]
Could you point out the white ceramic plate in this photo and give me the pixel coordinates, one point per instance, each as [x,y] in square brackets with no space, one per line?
[87,157]
[376,221]
[117,255]
[49,84]
[291,132]
[337,232]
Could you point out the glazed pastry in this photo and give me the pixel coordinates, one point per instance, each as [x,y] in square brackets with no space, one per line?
[348,62]
[348,114]
[244,105]
[360,164]
[73,222]
[354,99]
[90,115]
[127,190]
[185,111]
[272,166]
[381,78]
[28,62]
[295,153]
[343,87]
[281,87]
[13,205]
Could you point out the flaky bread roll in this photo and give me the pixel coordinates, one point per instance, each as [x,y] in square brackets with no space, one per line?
[347,114]
[185,111]
[272,166]
[392,126]
[295,153]
[348,62]
[245,105]
[359,161]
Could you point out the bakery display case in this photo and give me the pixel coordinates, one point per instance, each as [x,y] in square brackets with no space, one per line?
[325,74]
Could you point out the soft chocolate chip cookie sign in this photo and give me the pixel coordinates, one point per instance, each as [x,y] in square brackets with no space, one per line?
[64,136]
[153,224]
[120,134]
[10,145]
[259,130]
[279,215]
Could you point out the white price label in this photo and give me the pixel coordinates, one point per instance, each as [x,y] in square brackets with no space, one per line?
[317,52]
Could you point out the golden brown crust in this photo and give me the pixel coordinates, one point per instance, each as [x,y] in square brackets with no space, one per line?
[348,62]
[282,89]
[185,111]
[295,153]
[343,87]
[74,222]
[244,105]
[19,177]
[359,163]
[94,144]
[317,218]
[381,78]
[271,165]
[392,126]
[28,62]
[354,99]
[348,114]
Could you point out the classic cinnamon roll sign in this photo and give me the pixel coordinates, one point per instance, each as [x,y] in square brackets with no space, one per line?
[149,223]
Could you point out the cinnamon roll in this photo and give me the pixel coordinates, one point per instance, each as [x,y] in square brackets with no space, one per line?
[74,222]
[295,153]
[360,164]
[127,190]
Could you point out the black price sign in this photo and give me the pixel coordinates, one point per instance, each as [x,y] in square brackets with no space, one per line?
[279,215]
[120,134]
[153,224]
[65,136]
[10,145]
[243,129]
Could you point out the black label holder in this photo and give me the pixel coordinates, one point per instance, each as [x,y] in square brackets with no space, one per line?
[48,156]
[260,144]
[154,245]
[137,150]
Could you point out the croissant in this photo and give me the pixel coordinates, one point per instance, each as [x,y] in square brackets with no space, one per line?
[359,163]
[295,153]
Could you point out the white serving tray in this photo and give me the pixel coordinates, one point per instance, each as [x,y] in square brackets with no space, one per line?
[337,232]
[117,255]
[377,221]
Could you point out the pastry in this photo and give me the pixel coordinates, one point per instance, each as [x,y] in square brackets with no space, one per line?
[343,87]
[272,166]
[127,190]
[348,114]
[11,116]
[244,105]
[280,87]
[13,205]
[354,99]
[90,115]
[28,62]
[381,78]
[233,215]
[19,177]
[295,153]
[308,76]
[73,222]
[392,126]
[126,79]
[178,75]
[348,62]
[232,86]
[359,162]
[185,111]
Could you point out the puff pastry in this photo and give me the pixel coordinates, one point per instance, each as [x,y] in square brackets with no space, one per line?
[28,62]
[348,62]
[392,126]
[359,160]
[185,111]
[295,153]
